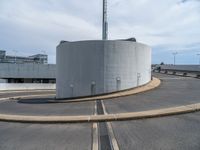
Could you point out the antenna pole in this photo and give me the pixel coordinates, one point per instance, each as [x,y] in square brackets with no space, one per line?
[105,23]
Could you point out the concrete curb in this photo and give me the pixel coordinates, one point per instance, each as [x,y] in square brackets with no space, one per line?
[26,96]
[22,91]
[150,86]
[100,118]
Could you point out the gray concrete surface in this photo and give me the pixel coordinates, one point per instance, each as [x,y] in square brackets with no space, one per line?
[173,91]
[25,93]
[40,107]
[27,86]
[9,70]
[180,132]
[110,65]
[16,136]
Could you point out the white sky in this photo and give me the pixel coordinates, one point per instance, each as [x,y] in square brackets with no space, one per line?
[32,26]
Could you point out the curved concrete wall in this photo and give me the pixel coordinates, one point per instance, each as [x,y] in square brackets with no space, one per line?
[96,67]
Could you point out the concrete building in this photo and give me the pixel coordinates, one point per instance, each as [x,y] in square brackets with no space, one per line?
[27,73]
[96,67]
[31,69]
[38,59]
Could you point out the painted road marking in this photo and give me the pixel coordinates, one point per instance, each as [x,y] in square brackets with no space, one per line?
[95,136]
[114,143]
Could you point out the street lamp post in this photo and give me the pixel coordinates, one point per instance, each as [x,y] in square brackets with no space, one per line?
[175,57]
[105,23]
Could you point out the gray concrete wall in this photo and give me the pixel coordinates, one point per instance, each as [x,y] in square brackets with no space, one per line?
[27,86]
[96,67]
[78,65]
[8,70]
[3,81]
[127,61]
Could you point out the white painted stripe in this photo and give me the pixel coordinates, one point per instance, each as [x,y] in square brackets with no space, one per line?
[111,134]
[95,143]
[95,137]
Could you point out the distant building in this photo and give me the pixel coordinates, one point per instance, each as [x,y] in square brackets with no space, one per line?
[27,73]
[30,69]
[37,59]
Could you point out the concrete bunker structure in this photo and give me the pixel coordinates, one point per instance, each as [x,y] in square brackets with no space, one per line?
[103,66]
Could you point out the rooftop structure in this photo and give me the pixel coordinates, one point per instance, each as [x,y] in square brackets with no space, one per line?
[101,66]
[38,58]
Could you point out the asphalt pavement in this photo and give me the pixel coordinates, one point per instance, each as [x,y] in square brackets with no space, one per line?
[17,136]
[179,132]
[173,91]
[39,108]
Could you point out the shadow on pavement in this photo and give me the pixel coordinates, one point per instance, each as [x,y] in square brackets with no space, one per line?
[37,101]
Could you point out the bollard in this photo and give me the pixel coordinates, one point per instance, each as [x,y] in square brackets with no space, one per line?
[93,88]
[138,79]
[71,90]
[118,81]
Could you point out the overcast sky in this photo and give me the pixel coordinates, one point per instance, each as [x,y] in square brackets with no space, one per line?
[35,26]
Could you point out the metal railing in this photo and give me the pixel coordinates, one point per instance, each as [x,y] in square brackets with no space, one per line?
[178,72]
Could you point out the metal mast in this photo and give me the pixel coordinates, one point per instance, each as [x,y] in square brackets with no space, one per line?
[105,23]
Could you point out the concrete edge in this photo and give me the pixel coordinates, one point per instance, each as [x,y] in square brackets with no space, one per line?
[100,118]
[154,83]
[147,87]
[25,96]
[22,91]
